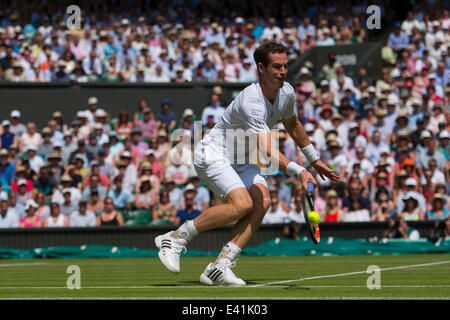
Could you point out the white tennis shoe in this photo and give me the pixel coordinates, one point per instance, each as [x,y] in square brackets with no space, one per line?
[170,250]
[220,274]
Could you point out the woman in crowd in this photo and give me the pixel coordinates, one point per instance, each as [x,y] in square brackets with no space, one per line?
[56,218]
[109,216]
[411,210]
[43,210]
[31,220]
[146,197]
[382,207]
[438,208]
[332,212]
[123,126]
[164,210]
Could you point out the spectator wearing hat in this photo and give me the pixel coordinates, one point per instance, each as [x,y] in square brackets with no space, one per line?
[325,115]
[338,162]
[31,220]
[332,211]
[46,146]
[324,95]
[54,166]
[284,192]
[166,117]
[8,218]
[82,217]
[66,183]
[439,208]
[16,127]
[101,117]
[214,109]
[156,167]
[429,152]
[147,125]
[14,205]
[106,166]
[411,188]
[35,161]
[437,117]
[7,138]
[247,73]
[444,145]
[21,174]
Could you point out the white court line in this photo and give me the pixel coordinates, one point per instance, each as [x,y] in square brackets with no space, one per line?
[22,264]
[212,287]
[232,298]
[351,273]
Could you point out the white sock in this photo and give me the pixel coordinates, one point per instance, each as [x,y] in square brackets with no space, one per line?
[230,251]
[186,231]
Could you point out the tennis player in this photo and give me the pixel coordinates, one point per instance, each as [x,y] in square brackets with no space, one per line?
[241,186]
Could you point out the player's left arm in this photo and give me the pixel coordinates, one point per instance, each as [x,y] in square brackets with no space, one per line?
[295,128]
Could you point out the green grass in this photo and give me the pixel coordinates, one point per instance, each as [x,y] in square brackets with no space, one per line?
[146,278]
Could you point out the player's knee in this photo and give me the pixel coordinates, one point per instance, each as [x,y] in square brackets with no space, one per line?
[244,206]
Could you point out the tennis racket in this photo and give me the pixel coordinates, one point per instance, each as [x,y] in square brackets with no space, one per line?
[308,206]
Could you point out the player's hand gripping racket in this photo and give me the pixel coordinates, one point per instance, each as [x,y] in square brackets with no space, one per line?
[308,206]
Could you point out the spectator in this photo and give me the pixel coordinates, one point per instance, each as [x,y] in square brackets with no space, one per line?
[43,209]
[56,219]
[16,127]
[332,211]
[67,207]
[411,210]
[276,213]
[175,194]
[7,138]
[438,208]
[121,197]
[214,109]
[109,216]
[147,125]
[166,117]
[96,203]
[6,170]
[399,228]
[83,152]
[188,212]
[411,186]
[382,206]
[82,217]
[146,198]
[31,220]
[296,214]
[164,209]
[66,184]
[8,218]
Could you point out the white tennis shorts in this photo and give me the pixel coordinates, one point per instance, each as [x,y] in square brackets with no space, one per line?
[222,177]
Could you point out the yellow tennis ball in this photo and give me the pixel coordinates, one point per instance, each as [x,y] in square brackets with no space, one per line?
[314,217]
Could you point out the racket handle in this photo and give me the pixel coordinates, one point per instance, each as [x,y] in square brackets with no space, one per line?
[310,189]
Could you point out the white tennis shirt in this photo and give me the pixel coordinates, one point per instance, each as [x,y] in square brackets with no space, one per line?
[250,112]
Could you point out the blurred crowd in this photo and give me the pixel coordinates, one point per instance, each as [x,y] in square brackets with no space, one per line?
[177,41]
[386,137]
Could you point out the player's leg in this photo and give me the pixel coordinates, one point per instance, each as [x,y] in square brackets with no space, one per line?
[219,272]
[223,180]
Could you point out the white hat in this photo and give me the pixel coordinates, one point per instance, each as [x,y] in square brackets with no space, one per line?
[411,182]
[189,187]
[126,154]
[100,113]
[324,82]
[188,112]
[436,23]
[31,203]
[30,147]
[309,127]
[392,101]
[81,114]
[125,21]
[425,134]
[304,70]
[239,20]
[353,125]
[15,114]
[92,100]
[3,196]
[57,144]
[21,182]
[6,123]
[444,135]
[149,152]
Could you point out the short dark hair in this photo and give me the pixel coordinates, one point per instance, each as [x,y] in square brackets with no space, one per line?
[261,53]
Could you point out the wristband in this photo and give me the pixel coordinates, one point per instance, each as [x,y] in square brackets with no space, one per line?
[293,169]
[310,153]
